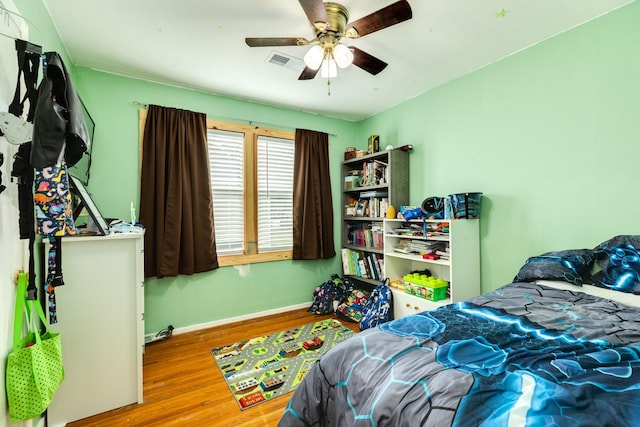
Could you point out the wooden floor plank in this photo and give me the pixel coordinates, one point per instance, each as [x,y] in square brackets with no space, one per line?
[183,385]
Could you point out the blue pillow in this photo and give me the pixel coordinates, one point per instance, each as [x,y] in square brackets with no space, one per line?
[619,259]
[572,266]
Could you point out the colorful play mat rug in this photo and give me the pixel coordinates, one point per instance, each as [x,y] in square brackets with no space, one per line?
[265,367]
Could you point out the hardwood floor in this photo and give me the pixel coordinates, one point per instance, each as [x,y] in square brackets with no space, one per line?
[184,387]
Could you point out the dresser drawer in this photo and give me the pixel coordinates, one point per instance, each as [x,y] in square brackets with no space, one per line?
[405,304]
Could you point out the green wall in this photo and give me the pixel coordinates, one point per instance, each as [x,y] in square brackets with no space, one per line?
[549,135]
[227,292]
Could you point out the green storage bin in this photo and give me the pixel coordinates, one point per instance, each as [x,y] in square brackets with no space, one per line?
[427,287]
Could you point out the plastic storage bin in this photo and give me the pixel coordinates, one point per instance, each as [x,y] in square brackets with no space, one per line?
[427,287]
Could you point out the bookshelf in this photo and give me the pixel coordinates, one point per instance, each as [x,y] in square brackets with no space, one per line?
[459,264]
[370,184]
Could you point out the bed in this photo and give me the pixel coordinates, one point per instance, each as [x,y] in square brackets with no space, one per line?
[560,346]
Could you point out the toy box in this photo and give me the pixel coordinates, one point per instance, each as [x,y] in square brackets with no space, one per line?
[427,287]
[349,153]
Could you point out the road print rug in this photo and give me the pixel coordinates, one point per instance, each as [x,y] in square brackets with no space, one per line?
[262,368]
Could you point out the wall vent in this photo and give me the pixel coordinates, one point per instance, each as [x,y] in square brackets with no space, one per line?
[286,61]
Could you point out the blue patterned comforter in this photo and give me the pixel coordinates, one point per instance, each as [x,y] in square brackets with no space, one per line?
[523,355]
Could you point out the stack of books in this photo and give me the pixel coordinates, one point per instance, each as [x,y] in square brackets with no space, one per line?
[416,230]
[421,247]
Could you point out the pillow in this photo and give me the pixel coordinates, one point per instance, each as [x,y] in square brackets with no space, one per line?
[619,259]
[572,265]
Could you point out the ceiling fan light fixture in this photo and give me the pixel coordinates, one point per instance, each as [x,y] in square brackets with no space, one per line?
[314,56]
[343,55]
[328,69]
[330,23]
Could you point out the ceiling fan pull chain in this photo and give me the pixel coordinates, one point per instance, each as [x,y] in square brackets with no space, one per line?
[328,87]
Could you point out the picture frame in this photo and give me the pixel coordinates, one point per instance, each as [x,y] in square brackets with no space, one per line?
[78,189]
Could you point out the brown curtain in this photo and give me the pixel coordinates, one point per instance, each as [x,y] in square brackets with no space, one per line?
[312,203]
[175,194]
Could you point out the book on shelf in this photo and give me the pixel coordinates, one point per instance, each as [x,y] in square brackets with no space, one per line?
[378,207]
[370,235]
[373,173]
[368,265]
[446,255]
[362,272]
[371,271]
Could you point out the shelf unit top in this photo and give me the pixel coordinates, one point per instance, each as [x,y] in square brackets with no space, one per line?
[372,156]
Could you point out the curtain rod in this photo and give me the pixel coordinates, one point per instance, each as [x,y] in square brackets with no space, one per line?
[250,122]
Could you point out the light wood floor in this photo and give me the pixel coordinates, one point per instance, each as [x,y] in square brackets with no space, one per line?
[183,385]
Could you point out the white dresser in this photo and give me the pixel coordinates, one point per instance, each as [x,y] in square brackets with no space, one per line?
[101,321]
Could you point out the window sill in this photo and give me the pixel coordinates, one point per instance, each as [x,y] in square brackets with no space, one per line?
[228,260]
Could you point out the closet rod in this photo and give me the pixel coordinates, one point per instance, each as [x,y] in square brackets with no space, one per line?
[250,122]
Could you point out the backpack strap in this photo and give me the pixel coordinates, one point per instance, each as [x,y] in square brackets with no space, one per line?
[28,64]
[23,174]
[54,277]
[32,290]
[18,314]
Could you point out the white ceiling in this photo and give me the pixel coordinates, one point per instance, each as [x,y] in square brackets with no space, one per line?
[200,44]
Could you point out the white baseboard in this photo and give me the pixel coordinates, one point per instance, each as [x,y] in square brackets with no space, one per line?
[234,319]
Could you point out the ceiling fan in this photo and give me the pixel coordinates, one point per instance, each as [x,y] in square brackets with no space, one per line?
[330,23]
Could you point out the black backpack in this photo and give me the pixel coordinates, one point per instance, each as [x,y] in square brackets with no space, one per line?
[328,292]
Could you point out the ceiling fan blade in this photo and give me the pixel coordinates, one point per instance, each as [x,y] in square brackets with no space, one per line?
[315,11]
[308,74]
[275,41]
[367,62]
[387,16]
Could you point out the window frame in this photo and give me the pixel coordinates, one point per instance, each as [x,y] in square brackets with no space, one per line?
[251,134]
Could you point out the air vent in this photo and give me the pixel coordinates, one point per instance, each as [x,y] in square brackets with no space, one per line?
[286,61]
[278,59]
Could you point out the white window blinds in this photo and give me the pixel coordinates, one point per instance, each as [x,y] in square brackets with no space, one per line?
[275,194]
[226,163]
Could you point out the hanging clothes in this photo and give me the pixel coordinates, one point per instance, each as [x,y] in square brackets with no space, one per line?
[60,139]
[59,127]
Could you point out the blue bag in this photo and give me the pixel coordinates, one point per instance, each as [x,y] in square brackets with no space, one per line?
[379,308]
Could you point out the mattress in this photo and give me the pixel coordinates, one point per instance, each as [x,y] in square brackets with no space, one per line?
[612,295]
[526,354]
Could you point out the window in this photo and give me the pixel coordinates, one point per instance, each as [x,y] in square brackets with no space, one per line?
[275,194]
[252,185]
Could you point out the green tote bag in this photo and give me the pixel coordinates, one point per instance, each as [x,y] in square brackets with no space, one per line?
[34,366]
